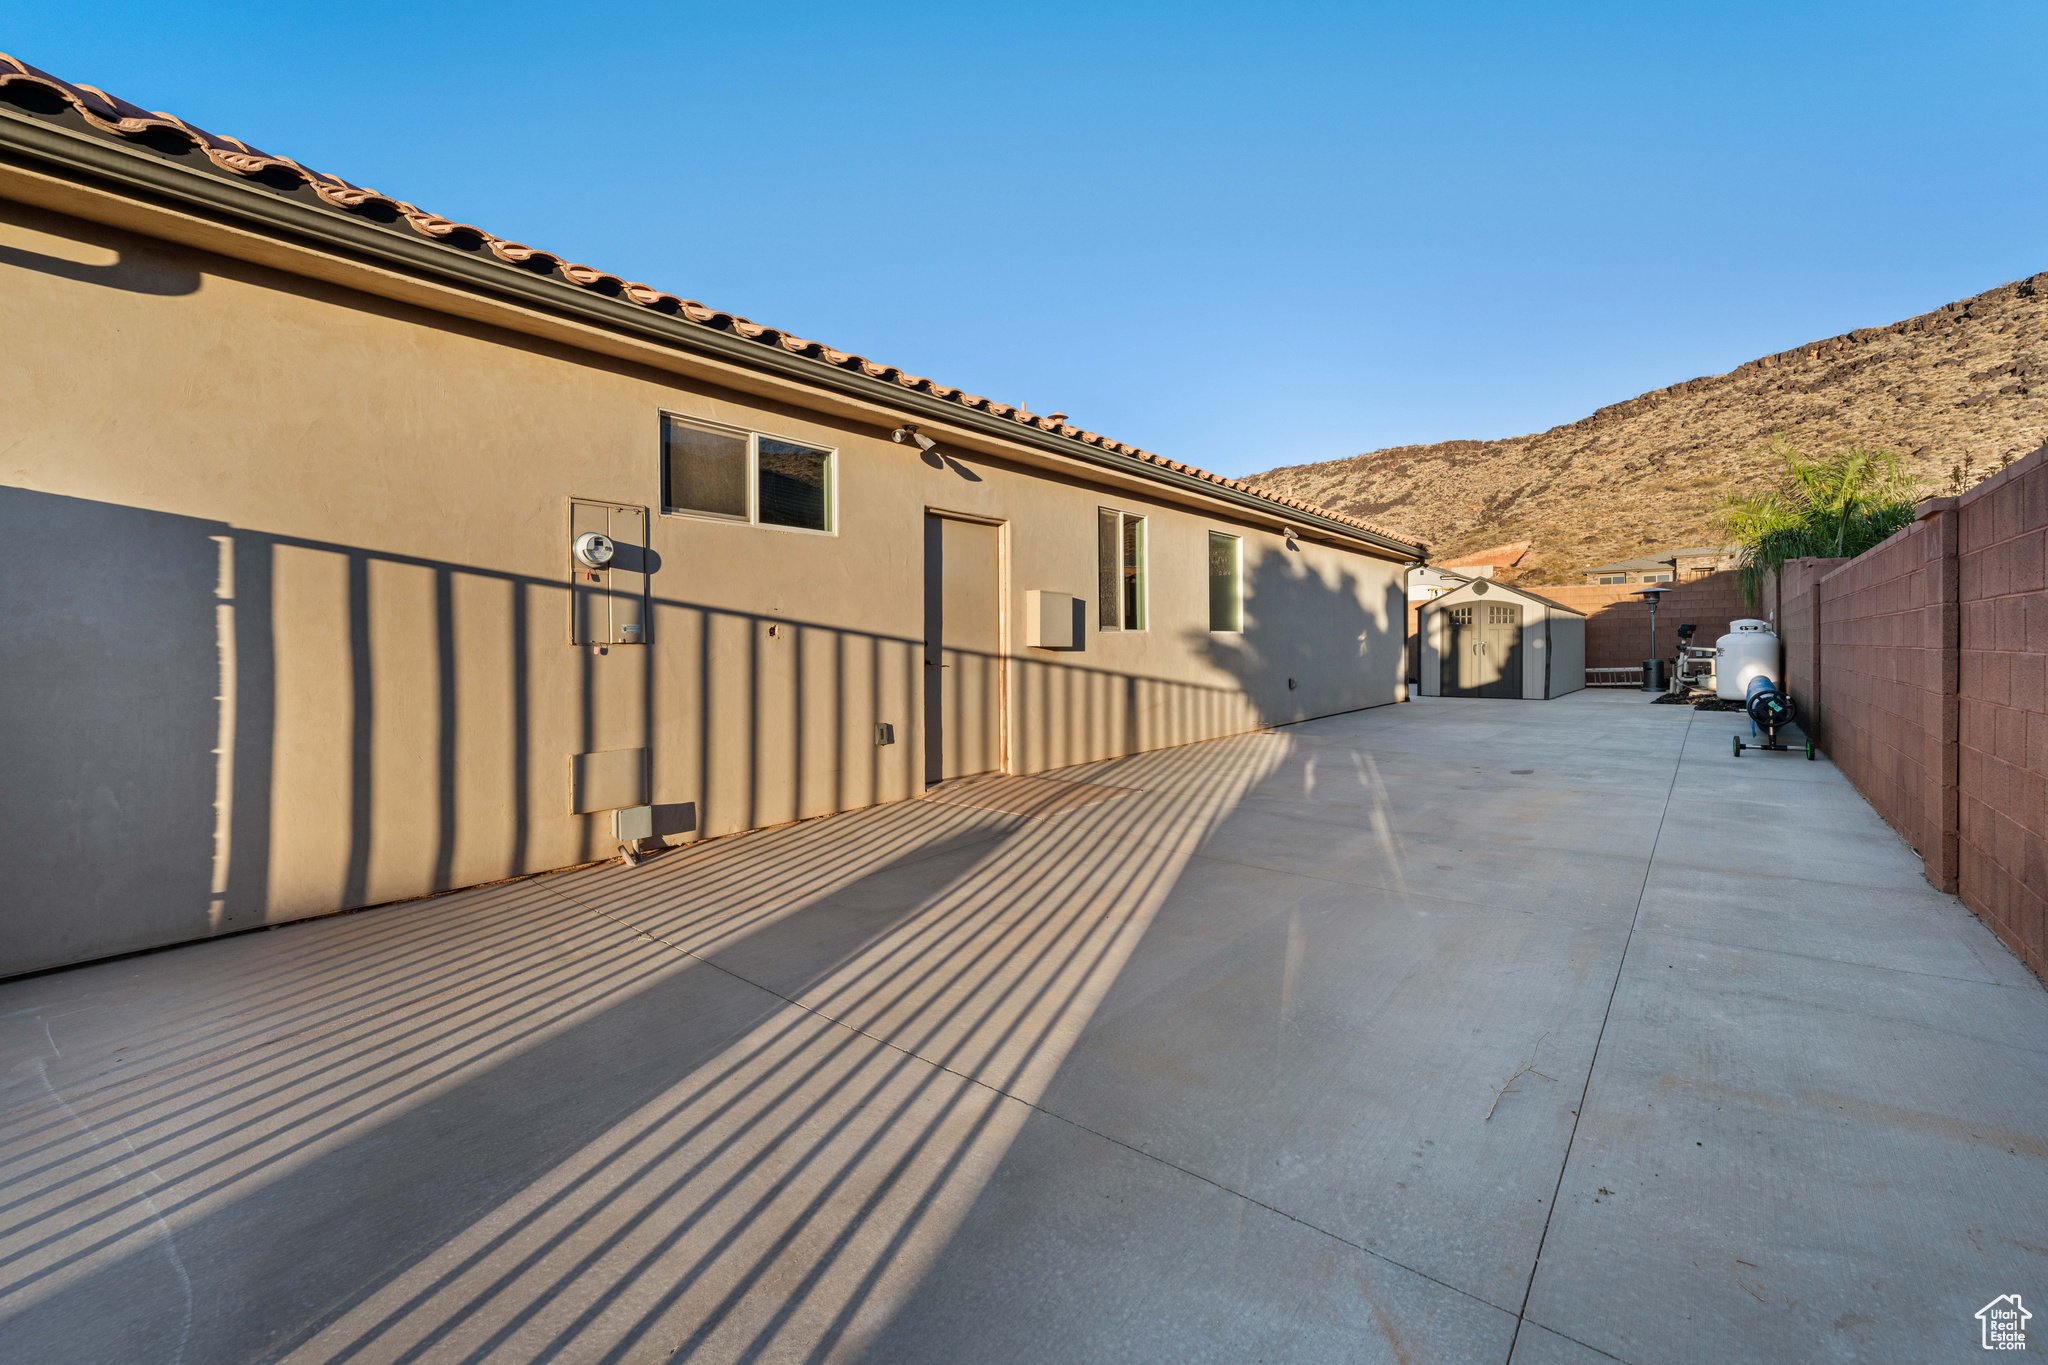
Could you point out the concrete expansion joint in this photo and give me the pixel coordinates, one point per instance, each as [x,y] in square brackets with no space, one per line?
[1846,962]
[1599,1037]
[1587,1345]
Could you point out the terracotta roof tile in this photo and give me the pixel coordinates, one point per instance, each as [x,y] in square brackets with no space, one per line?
[117,117]
[1501,556]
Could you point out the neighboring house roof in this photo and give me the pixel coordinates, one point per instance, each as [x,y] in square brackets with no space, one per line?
[1662,561]
[1494,585]
[1631,565]
[116,117]
[1500,556]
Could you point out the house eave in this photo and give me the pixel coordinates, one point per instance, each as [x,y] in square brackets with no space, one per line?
[52,166]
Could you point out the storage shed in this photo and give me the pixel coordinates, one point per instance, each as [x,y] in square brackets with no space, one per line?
[1490,639]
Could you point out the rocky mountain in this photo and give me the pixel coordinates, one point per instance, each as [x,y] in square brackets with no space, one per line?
[1966,382]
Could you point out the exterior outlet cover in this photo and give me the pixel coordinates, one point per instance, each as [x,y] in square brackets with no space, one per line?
[1049,620]
[633,824]
[609,780]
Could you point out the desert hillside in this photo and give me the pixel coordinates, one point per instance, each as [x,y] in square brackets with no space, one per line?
[1966,381]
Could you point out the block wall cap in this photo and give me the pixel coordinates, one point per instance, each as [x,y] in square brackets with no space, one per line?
[2025,464]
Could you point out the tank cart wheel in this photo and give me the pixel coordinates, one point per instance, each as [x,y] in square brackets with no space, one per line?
[1738,746]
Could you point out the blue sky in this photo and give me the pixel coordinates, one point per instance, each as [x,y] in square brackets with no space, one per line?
[1239,235]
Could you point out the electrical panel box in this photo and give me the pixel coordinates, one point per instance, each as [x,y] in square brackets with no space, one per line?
[608,601]
[1051,620]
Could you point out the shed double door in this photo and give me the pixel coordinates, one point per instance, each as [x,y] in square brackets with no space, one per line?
[1482,652]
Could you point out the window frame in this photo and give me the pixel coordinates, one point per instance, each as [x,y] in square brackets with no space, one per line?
[1144,566]
[753,439]
[1237,576]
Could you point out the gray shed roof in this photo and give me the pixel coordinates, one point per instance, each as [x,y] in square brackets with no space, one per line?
[1493,585]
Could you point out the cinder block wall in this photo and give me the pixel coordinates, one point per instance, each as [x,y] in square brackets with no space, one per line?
[1796,595]
[2002,741]
[1618,624]
[1932,677]
[1887,684]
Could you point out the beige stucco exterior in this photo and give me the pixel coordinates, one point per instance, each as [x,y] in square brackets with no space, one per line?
[287,627]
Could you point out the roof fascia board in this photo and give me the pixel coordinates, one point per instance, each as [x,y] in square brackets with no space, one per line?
[57,168]
[130,214]
[1493,586]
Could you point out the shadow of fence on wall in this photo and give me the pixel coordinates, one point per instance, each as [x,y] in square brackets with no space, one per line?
[214,728]
[453,1135]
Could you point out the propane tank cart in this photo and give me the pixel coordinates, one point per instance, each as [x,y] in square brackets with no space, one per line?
[1769,710]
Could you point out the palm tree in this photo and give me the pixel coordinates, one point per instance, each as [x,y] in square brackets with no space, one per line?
[1832,506]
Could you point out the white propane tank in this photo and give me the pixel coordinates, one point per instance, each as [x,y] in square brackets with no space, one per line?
[1748,650]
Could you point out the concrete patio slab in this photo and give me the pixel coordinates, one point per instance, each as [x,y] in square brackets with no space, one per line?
[1797,1151]
[1206,1071]
[1214,1052]
[1043,1269]
[1886,927]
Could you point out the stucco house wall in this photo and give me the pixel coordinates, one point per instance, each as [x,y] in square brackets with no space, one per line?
[289,631]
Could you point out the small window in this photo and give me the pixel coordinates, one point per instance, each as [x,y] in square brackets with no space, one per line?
[1614,578]
[734,475]
[795,485]
[1656,578]
[703,470]
[1226,582]
[1119,570]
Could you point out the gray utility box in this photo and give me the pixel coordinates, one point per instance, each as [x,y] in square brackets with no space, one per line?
[608,605]
[633,824]
[1051,620]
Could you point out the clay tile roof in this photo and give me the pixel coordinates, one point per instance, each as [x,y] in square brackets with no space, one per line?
[1500,556]
[117,117]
